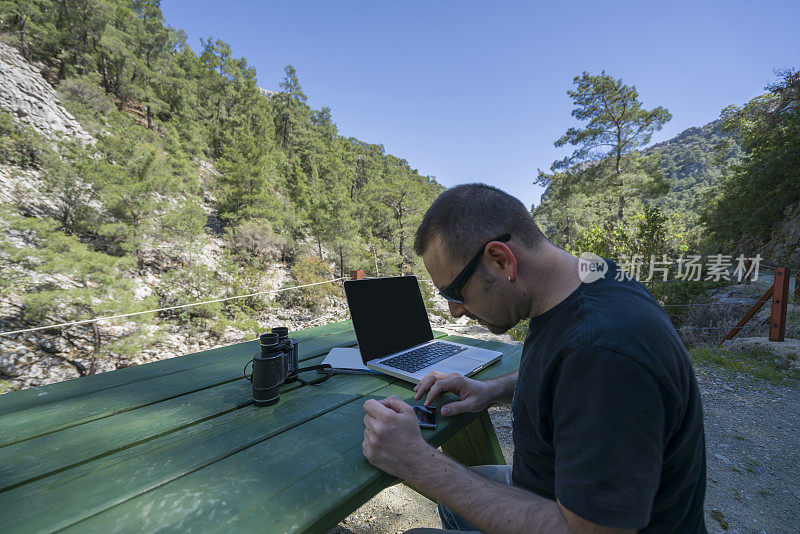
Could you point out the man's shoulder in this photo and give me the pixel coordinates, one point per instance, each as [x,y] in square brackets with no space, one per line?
[615,320]
[606,312]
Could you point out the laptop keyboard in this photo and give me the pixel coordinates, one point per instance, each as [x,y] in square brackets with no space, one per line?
[414,360]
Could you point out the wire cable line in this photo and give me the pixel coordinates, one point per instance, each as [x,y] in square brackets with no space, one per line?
[84,321]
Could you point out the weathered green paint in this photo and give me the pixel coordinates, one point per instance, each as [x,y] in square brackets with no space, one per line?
[56,451]
[38,396]
[35,421]
[187,450]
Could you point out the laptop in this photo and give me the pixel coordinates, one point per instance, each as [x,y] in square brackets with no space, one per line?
[395,337]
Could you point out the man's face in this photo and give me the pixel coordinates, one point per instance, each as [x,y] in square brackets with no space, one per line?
[482,301]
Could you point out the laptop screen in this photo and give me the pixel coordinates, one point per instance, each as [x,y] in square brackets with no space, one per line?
[388,315]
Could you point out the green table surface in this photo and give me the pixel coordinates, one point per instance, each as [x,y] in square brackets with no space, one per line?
[177,445]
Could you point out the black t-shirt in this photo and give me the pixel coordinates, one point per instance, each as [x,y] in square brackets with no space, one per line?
[607,416]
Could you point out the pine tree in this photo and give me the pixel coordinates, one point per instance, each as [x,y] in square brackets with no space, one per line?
[617,125]
[97,287]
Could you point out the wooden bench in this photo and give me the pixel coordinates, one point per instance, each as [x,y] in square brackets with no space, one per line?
[178,445]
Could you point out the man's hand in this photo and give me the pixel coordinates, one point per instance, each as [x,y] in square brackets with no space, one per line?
[392,439]
[475,395]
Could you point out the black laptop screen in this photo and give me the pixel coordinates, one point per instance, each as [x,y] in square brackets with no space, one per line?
[388,315]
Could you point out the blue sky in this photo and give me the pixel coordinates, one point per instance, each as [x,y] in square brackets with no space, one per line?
[476,91]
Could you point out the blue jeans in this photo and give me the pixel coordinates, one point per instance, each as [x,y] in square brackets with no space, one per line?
[452,522]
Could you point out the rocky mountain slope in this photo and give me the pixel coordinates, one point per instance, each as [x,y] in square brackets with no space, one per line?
[783,248]
[53,355]
[691,162]
[27,95]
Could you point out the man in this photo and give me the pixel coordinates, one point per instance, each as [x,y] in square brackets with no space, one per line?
[607,420]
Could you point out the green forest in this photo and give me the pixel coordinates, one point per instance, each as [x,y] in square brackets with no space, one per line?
[178,130]
[719,188]
[188,145]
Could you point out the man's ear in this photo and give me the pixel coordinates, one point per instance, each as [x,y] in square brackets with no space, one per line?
[503,259]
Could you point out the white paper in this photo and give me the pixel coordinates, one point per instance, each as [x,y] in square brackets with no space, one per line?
[345,358]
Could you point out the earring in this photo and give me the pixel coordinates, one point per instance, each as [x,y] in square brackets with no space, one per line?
[509,278]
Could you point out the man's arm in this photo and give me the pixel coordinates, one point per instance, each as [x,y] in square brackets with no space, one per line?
[486,504]
[393,443]
[504,387]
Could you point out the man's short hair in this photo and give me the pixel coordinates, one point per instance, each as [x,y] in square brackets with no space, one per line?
[467,216]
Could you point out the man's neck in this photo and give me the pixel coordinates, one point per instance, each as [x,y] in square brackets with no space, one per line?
[555,277]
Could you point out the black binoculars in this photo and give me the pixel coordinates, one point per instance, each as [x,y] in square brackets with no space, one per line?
[277,363]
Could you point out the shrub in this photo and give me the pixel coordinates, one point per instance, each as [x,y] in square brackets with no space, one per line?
[309,270]
[190,284]
[520,331]
[646,231]
[19,144]
[86,91]
[245,313]
[255,237]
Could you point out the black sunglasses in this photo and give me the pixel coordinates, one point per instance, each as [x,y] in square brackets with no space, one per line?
[453,291]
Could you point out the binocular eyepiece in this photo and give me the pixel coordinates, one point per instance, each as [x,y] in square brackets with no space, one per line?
[277,362]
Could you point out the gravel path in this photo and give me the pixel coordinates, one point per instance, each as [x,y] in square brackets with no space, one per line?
[753,455]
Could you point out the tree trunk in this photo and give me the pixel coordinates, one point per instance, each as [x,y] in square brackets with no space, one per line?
[341,261]
[402,237]
[84,33]
[402,258]
[618,168]
[105,73]
[96,339]
[67,217]
[23,18]
[319,246]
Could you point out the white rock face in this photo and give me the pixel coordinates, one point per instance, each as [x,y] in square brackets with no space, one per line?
[32,100]
[24,188]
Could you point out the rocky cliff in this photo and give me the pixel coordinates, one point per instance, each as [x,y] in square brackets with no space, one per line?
[53,355]
[28,96]
[783,248]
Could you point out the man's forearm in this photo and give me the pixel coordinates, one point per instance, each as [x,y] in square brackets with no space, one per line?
[503,387]
[488,505]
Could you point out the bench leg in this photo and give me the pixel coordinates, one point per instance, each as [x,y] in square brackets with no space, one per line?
[476,444]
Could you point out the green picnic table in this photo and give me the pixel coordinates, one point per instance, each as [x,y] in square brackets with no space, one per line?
[177,445]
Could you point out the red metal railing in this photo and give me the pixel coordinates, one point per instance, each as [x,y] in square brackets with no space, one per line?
[778,295]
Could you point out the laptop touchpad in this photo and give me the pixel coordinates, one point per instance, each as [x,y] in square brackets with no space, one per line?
[457,364]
